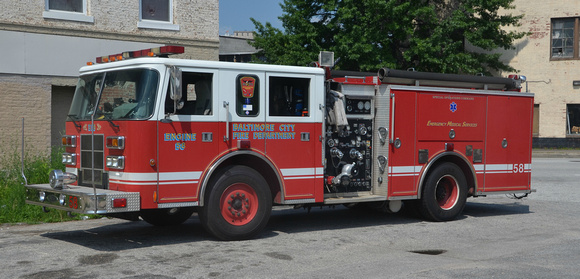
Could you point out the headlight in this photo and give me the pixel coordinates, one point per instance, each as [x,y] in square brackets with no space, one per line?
[69,159]
[116,162]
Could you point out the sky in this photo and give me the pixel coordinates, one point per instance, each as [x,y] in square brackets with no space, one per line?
[235,14]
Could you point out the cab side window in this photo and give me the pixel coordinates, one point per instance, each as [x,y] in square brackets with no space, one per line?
[196,95]
[289,96]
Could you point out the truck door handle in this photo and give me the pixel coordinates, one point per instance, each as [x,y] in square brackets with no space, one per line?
[392,139]
[227,135]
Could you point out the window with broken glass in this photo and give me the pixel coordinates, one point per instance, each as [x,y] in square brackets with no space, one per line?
[565,38]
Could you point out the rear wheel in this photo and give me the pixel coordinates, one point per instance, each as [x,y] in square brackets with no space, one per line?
[167,216]
[237,205]
[444,193]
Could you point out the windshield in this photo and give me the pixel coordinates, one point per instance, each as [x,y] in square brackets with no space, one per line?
[125,94]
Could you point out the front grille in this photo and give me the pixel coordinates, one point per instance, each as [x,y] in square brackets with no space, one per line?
[86,170]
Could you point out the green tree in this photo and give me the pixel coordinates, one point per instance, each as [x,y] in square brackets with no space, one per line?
[448,36]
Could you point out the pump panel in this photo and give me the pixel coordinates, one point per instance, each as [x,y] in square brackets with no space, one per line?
[349,156]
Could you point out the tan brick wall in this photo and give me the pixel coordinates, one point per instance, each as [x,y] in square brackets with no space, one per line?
[25,96]
[198,21]
[551,81]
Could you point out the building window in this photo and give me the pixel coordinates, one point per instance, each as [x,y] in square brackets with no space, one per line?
[156,14]
[565,38]
[536,123]
[573,119]
[74,10]
[66,5]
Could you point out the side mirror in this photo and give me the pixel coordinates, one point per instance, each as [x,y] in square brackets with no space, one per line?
[175,83]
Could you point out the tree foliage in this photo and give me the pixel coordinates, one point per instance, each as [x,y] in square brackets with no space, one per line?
[448,36]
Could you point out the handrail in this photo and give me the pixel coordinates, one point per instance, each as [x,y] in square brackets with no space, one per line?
[227,135]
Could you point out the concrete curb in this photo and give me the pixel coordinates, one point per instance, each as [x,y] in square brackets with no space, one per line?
[556,153]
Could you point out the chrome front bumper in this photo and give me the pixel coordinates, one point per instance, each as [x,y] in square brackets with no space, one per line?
[81,200]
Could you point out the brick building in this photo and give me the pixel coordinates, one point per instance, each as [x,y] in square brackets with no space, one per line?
[45,42]
[550,58]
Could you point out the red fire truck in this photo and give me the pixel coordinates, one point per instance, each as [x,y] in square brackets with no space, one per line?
[161,138]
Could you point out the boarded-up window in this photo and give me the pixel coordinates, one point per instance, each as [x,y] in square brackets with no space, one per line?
[536,127]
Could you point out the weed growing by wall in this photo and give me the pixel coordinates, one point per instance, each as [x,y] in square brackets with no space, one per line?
[37,166]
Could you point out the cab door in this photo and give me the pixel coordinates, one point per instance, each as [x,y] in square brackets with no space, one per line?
[188,139]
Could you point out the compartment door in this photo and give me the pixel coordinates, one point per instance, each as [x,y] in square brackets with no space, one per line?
[508,154]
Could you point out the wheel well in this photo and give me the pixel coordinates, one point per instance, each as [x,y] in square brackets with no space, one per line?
[461,163]
[250,160]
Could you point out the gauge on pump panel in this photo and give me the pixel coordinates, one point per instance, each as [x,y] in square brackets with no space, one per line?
[331,143]
[363,130]
[360,105]
[368,105]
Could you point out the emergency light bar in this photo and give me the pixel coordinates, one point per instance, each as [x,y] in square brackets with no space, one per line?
[163,51]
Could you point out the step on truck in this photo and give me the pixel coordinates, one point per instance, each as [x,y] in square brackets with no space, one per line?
[160,138]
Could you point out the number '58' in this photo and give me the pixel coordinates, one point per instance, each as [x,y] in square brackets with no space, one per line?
[518,168]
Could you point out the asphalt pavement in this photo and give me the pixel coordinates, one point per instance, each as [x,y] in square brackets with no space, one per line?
[496,237]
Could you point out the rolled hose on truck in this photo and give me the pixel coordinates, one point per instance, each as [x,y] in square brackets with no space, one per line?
[409,77]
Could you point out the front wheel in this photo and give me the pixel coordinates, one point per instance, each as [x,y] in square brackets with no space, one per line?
[237,205]
[444,193]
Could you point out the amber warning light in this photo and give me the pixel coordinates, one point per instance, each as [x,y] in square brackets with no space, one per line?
[163,51]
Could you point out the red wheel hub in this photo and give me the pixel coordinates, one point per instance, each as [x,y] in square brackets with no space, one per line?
[239,204]
[447,192]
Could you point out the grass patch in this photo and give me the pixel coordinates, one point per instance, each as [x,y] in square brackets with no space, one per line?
[37,166]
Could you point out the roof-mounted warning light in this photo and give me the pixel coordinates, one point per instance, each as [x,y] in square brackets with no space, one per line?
[163,51]
[518,77]
[519,80]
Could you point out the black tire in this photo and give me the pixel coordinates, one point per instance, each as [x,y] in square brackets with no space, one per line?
[444,193]
[237,204]
[167,216]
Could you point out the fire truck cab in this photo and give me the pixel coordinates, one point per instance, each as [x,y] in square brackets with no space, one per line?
[161,138]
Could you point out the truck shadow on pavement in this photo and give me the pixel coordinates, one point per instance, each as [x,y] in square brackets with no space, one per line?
[126,235]
[478,209]
[296,221]
[138,234]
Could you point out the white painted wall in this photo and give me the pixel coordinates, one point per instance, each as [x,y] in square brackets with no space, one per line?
[54,55]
